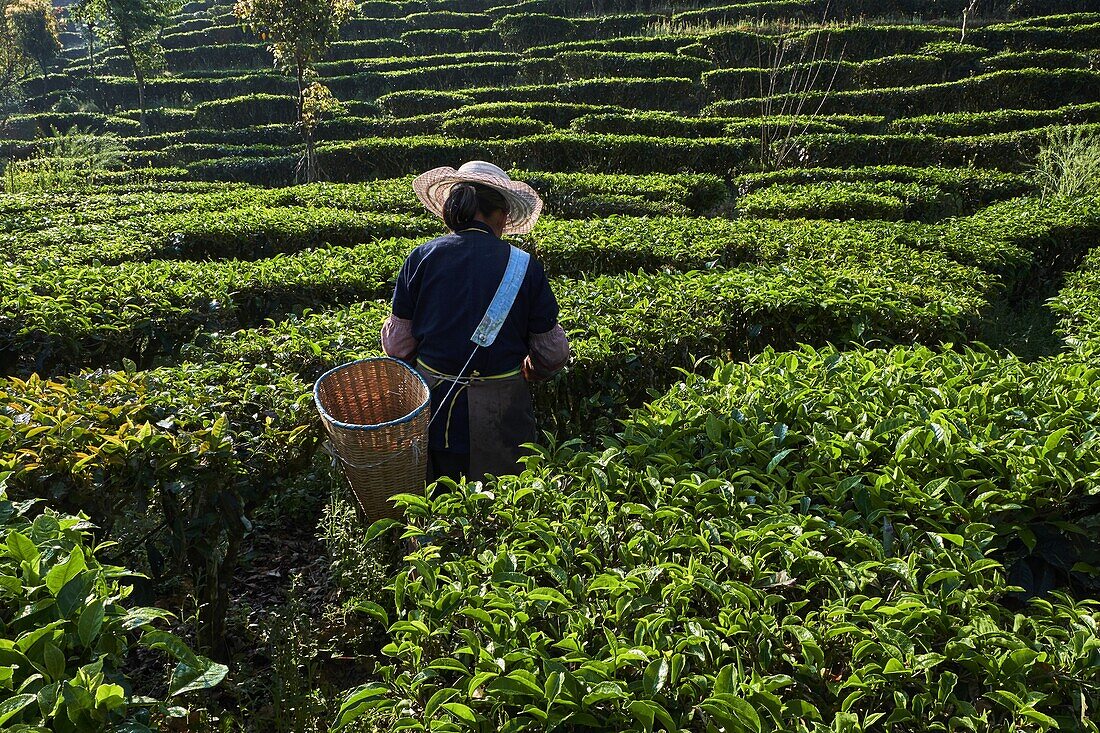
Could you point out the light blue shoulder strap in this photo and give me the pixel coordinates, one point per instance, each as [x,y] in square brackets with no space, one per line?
[505,297]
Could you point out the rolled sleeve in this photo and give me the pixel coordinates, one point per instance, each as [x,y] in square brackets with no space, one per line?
[550,352]
[397,338]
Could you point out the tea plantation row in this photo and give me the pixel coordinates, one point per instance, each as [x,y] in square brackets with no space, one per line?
[58,317]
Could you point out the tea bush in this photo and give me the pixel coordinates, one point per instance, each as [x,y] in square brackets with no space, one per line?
[1079,305]
[844,200]
[806,542]
[240,112]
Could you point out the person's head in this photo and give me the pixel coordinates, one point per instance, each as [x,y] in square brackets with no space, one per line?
[470,202]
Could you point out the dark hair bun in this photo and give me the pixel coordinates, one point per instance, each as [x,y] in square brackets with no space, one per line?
[466,200]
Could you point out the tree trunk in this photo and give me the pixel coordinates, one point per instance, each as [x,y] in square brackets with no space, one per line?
[301,91]
[139,78]
[214,601]
[91,65]
[967,12]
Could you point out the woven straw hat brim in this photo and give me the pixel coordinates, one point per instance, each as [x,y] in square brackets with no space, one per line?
[524,203]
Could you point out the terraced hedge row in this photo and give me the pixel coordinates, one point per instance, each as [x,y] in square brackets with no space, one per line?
[388,157]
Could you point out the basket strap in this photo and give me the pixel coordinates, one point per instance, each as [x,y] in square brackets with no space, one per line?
[501,306]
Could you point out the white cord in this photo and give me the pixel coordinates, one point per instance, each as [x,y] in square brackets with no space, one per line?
[454,383]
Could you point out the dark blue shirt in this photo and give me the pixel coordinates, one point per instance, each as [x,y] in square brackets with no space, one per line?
[444,288]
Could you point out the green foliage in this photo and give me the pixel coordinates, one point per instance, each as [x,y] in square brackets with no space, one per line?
[1026,89]
[65,159]
[136,26]
[810,541]
[248,111]
[848,200]
[34,26]
[387,157]
[410,103]
[970,188]
[1078,303]
[191,449]
[1068,166]
[66,627]
[571,65]
[533,29]
[145,311]
[299,31]
[493,128]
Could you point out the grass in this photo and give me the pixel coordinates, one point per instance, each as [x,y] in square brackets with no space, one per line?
[1068,166]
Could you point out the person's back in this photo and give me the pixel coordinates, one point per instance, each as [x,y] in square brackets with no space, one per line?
[446,287]
[481,405]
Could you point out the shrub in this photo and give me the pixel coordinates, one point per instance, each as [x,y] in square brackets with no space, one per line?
[247,111]
[570,65]
[355,50]
[226,56]
[1078,304]
[736,617]
[629,153]
[437,19]
[630,44]
[435,41]
[556,114]
[519,32]
[848,200]
[748,11]
[591,195]
[160,120]
[370,29]
[1030,8]
[652,124]
[969,188]
[413,103]
[493,128]
[643,94]
[388,8]
[66,627]
[1028,89]
[1050,59]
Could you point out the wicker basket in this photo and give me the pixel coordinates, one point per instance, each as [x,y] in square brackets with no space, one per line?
[375,412]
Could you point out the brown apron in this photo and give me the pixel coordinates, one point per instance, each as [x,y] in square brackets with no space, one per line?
[502,418]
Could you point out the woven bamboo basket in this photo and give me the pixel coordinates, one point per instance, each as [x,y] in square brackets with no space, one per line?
[375,412]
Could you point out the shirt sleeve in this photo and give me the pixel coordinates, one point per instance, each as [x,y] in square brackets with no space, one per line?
[397,338]
[405,292]
[543,314]
[549,352]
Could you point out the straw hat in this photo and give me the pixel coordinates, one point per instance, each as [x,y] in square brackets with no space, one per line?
[524,204]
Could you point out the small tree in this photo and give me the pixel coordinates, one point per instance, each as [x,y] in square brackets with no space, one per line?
[14,62]
[787,106]
[81,13]
[300,32]
[135,25]
[34,26]
[317,103]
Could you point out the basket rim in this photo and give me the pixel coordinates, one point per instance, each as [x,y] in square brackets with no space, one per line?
[377,426]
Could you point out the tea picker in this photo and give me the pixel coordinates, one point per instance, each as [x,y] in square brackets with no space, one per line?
[478,319]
